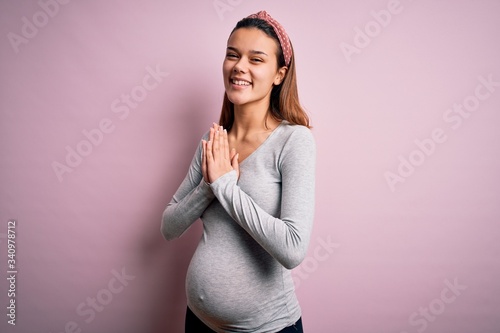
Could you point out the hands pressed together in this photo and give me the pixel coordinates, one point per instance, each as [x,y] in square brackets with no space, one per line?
[217,158]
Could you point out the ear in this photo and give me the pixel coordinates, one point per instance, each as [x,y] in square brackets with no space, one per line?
[280,76]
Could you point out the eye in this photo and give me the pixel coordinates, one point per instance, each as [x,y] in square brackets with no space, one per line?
[256,60]
[231,55]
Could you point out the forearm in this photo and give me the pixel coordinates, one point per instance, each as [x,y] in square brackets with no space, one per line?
[285,238]
[180,214]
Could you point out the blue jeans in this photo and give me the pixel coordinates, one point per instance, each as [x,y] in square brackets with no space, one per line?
[195,325]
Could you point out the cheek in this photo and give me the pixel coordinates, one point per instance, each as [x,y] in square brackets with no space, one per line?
[226,68]
[265,75]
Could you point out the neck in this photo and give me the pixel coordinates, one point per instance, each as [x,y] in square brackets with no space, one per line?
[252,119]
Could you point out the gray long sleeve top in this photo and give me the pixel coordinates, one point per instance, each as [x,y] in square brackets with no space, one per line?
[255,229]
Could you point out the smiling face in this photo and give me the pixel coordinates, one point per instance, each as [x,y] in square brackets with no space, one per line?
[250,68]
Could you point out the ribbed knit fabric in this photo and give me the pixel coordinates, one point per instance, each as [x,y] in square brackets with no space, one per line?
[255,229]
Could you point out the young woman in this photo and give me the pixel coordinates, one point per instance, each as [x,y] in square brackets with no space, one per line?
[251,182]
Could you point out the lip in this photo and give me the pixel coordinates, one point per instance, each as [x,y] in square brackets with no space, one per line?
[235,78]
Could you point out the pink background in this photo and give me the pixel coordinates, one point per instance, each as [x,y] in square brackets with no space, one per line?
[392,249]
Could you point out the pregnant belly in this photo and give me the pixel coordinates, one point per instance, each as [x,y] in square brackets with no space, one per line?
[235,283]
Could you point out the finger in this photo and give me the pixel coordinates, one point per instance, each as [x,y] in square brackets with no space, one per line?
[222,145]
[203,151]
[211,135]
[226,146]
[233,152]
[209,153]
[204,157]
[210,144]
[216,145]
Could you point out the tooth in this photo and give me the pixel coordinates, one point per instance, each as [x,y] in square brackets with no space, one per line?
[240,82]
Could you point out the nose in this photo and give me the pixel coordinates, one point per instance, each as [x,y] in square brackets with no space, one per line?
[240,67]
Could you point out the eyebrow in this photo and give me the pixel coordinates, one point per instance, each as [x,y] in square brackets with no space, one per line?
[251,51]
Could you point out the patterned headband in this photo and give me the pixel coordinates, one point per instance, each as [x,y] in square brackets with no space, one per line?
[286,46]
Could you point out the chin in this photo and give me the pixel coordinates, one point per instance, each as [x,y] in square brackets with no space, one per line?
[236,100]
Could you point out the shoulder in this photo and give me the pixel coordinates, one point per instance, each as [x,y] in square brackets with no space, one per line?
[297,148]
[296,134]
[295,142]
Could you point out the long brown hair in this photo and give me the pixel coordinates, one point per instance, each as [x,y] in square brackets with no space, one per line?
[284,103]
